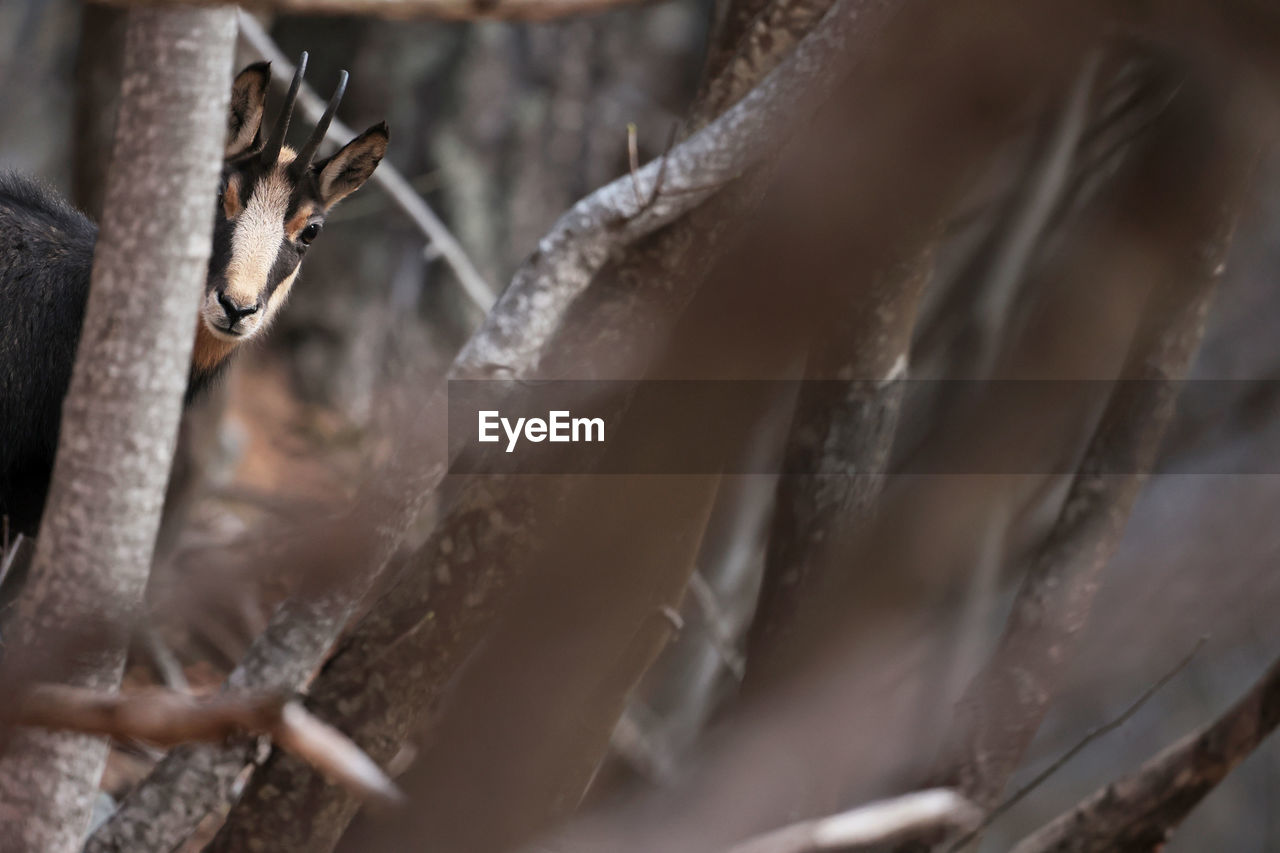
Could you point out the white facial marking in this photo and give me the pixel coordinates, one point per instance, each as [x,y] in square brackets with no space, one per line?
[256,240]
[255,243]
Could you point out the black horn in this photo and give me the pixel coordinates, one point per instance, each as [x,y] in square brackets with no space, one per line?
[308,152]
[271,152]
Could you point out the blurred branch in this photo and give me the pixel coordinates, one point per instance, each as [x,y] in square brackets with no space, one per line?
[1089,737]
[842,432]
[1141,811]
[902,819]
[1201,144]
[394,184]
[166,718]
[752,40]
[721,633]
[445,10]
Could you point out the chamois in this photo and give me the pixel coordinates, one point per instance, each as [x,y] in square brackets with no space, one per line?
[271,205]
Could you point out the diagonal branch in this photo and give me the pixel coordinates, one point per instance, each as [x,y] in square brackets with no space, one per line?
[1199,145]
[914,816]
[1140,811]
[166,718]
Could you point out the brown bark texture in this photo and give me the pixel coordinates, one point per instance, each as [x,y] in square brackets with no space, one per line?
[120,417]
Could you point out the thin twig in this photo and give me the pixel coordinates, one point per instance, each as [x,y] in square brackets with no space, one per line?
[397,188]
[168,718]
[163,659]
[714,618]
[1141,810]
[1089,737]
[909,817]
[9,554]
[644,205]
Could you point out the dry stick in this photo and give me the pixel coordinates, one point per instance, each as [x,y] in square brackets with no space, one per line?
[192,781]
[902,819]
[166,717]
[1140,811]
[445,10]
[1089,737]
[397,188]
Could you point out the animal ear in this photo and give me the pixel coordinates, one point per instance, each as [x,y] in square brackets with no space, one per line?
[344,172]
[248,102]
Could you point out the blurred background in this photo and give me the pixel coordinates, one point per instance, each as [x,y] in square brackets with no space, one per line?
[501,127]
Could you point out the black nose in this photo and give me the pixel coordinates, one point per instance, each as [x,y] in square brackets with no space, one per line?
[233,311]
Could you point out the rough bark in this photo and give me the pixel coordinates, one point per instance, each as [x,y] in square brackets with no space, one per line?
[840,440]
[121,414]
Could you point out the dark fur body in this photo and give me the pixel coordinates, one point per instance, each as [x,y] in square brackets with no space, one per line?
[46,257]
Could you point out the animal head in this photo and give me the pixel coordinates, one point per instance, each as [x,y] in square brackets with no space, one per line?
[271,207]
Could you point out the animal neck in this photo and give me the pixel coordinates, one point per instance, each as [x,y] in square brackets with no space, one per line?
[208,357]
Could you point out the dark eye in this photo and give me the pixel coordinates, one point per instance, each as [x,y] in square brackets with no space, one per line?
[309,233]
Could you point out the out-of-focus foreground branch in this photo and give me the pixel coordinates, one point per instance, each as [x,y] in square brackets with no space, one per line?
[166,718]
[445,10]
[1141,811]
[910,817]
[1203,145]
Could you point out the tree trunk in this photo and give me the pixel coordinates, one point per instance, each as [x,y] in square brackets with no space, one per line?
[120,417]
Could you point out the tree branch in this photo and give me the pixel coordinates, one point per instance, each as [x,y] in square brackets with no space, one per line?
[1201,146]
[1141,811]
[914,816]
[444,10]
[166,718]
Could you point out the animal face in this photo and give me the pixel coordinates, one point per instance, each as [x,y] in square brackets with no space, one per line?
[271,207]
